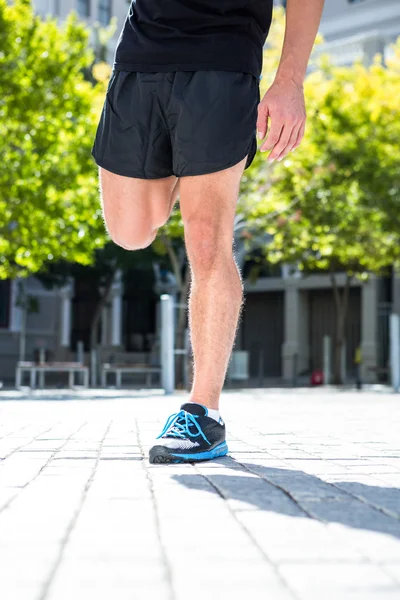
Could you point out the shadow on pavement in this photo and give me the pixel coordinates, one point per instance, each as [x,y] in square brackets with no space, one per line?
[298,494]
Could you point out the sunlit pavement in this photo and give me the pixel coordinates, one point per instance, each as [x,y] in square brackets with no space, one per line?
[306,506]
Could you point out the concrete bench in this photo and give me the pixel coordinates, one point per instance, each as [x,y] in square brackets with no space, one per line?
[40,369]
[119,370]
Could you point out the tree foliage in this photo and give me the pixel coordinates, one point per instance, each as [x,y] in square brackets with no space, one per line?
[49,207]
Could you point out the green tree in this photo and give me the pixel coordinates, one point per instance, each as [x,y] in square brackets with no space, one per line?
[334,204]
[49,207]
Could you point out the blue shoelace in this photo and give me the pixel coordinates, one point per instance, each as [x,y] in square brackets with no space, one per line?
[179,424]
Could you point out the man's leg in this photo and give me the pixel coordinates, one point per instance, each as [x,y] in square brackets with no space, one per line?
[134,208]
[133,211]
[208,205]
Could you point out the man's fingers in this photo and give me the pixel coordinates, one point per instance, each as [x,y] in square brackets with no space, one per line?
[274,136]
[262,122]
[291,143]
[300,135]
[280,145]
[282,139]
[284,133]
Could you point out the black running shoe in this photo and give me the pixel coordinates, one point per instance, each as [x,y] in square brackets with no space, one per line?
[190,436]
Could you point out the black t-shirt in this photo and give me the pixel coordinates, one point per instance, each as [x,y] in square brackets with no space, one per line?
[194,35]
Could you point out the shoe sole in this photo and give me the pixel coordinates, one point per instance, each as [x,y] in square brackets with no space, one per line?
[159,455]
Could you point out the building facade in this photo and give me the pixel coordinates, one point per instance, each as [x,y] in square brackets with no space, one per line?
[359,29]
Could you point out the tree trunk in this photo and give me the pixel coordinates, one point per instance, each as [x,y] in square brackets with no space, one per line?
[342,304]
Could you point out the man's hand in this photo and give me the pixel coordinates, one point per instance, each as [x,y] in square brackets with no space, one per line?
[283,105]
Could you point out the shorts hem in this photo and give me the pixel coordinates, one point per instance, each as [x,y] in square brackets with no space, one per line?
[231,163]
[194,173]
[103,165]
[186,173]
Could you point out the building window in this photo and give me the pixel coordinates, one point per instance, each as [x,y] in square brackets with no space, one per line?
[83,8]
[5,293]
[104,11]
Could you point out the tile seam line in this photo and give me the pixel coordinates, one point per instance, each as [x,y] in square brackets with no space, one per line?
[71,525]
[275,568]
[165,559]
[8,504]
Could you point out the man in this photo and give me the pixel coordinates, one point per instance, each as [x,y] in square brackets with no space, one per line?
[180,117]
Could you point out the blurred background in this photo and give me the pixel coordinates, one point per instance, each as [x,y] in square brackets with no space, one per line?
[316,236]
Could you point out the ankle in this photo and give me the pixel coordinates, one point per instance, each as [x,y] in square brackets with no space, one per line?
[209,404]
[213,413]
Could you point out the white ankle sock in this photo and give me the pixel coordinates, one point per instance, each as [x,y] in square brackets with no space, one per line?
[211,412]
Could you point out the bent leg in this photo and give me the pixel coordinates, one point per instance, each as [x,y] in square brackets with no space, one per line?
[208,204]
[134,209]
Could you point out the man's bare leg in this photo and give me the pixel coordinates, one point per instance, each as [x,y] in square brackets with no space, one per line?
[134,209]
[208,205]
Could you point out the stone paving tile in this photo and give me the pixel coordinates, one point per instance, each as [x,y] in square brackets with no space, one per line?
[342,578]
[298,540]
[306,506]
[373,546]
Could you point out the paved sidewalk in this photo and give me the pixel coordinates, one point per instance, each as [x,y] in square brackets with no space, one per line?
[306,506]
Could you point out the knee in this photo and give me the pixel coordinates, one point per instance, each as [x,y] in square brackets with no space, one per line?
[130,239]
[203,246]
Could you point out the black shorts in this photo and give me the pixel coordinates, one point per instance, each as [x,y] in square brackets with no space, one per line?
[181,123]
